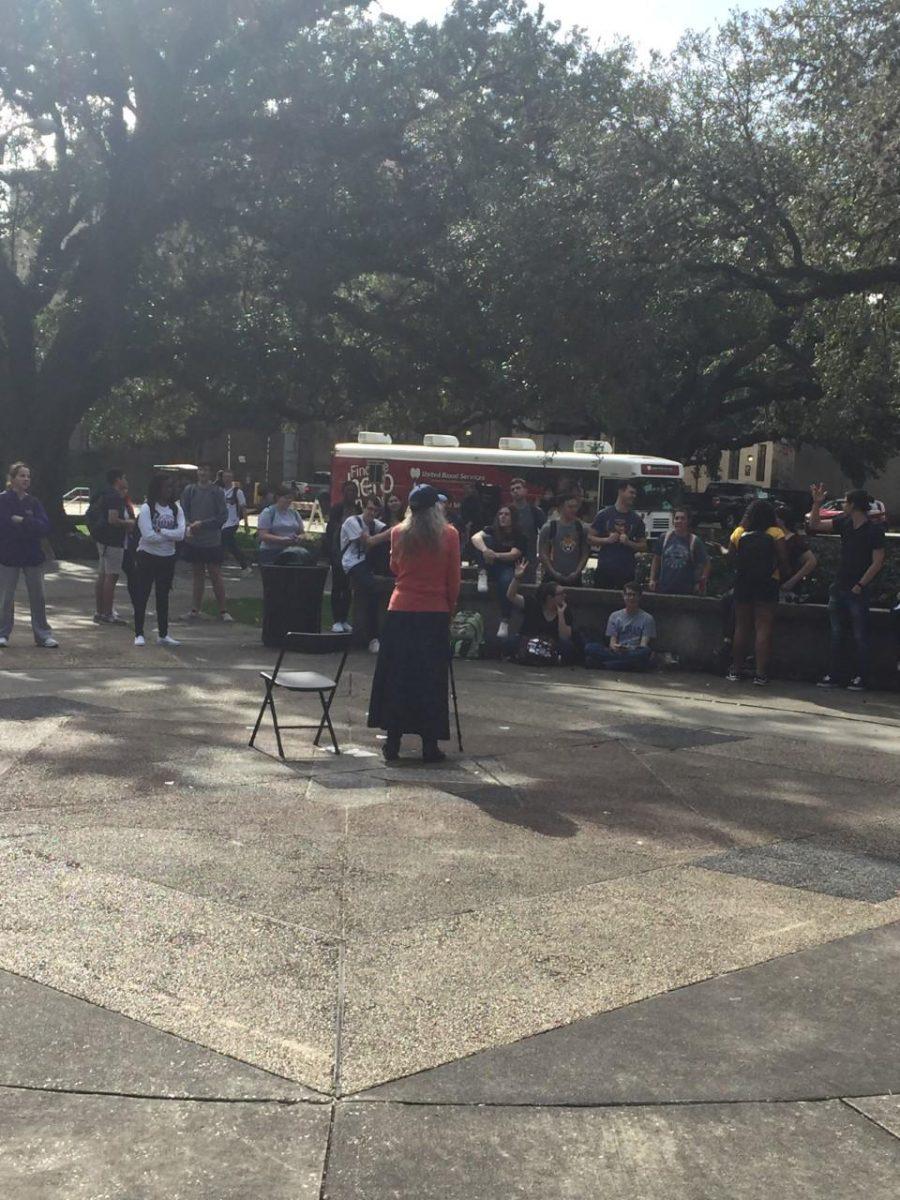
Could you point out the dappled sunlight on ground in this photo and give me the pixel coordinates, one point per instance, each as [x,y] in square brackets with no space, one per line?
[599,841]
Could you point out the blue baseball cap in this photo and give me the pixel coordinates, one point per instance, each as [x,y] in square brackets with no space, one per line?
[423,496]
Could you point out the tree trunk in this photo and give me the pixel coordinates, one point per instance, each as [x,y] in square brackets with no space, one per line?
[38,433]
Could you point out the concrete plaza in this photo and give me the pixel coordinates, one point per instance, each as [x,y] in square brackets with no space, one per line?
[640,941]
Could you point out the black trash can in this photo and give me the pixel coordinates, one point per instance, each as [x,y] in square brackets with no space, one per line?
[292,601]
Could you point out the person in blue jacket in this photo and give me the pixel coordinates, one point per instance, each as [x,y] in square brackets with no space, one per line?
[23,522]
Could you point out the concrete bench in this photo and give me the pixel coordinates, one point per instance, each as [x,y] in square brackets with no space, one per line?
[690,628]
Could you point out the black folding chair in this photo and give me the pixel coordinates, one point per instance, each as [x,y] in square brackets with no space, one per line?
[305,681]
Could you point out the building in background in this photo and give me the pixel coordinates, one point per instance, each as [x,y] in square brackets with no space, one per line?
[781,465]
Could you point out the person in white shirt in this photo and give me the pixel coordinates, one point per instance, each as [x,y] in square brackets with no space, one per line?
[161,525]
[236,506]
[359,534]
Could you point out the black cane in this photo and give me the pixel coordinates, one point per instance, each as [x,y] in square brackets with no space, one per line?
[455,705]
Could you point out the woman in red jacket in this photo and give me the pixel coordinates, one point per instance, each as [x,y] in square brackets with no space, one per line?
[409,691]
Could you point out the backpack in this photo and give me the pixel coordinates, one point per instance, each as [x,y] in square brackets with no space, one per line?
[96,518]
[467,635]
[537,651]
[691,549]
[756,561]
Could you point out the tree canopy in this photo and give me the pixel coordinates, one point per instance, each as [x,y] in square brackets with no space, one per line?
[256,209]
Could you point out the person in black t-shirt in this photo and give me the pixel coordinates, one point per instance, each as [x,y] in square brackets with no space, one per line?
[545,615]
[862,557]
[801,560]
[501,546]
[111,519]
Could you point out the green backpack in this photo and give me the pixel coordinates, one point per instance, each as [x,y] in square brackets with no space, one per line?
[467,635]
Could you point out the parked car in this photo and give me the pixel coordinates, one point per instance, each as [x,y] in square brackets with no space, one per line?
[835,508]
[726,503]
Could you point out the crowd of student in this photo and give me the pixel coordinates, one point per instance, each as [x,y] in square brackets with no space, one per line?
[140,542]
[522,542]
[552,543]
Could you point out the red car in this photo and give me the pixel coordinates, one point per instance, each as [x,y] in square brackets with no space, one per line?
[835,508]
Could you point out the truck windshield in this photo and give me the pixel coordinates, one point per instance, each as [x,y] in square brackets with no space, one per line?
[653,495]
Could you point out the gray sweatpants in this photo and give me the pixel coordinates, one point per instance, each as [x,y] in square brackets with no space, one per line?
[34,581]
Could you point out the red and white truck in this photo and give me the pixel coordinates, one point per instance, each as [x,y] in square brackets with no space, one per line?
[378,467]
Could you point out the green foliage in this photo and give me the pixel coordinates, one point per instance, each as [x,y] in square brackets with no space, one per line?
[268,209]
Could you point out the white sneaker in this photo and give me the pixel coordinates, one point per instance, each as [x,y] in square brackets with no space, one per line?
[139,640]
[346,626]
[49,643]
[503,629]
[338,627]
[226,617]
[482,582]
[4,642]
[374,646]
[167,641]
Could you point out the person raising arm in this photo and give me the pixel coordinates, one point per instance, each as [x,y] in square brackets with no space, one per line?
[802,562]
[546,617]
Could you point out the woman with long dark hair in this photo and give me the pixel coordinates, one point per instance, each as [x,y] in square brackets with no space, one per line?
[758,553]
[379,556]
[546,619]
[161,524]
[501,546]
[409,691]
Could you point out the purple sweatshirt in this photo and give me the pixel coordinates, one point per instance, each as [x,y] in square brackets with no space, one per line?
[20,543]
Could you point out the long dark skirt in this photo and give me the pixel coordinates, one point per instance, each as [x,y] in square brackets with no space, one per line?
[409,691]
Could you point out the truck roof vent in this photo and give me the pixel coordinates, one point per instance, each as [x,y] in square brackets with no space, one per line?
[592,446]
[440,439]
[517,444]
[368,437]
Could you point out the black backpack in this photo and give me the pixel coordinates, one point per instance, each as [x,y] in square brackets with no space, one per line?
[756,561]
[96,517]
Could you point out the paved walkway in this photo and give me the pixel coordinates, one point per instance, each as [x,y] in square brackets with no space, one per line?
[640,941]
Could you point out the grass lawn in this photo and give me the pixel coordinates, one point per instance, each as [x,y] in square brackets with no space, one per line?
[248,610]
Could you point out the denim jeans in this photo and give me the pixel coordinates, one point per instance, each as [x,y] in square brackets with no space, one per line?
[501,575]
[366,589]
[340,593]
[845,606]
[630,659]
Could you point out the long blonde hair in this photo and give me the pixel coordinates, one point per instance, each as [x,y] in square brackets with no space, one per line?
[421,531]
